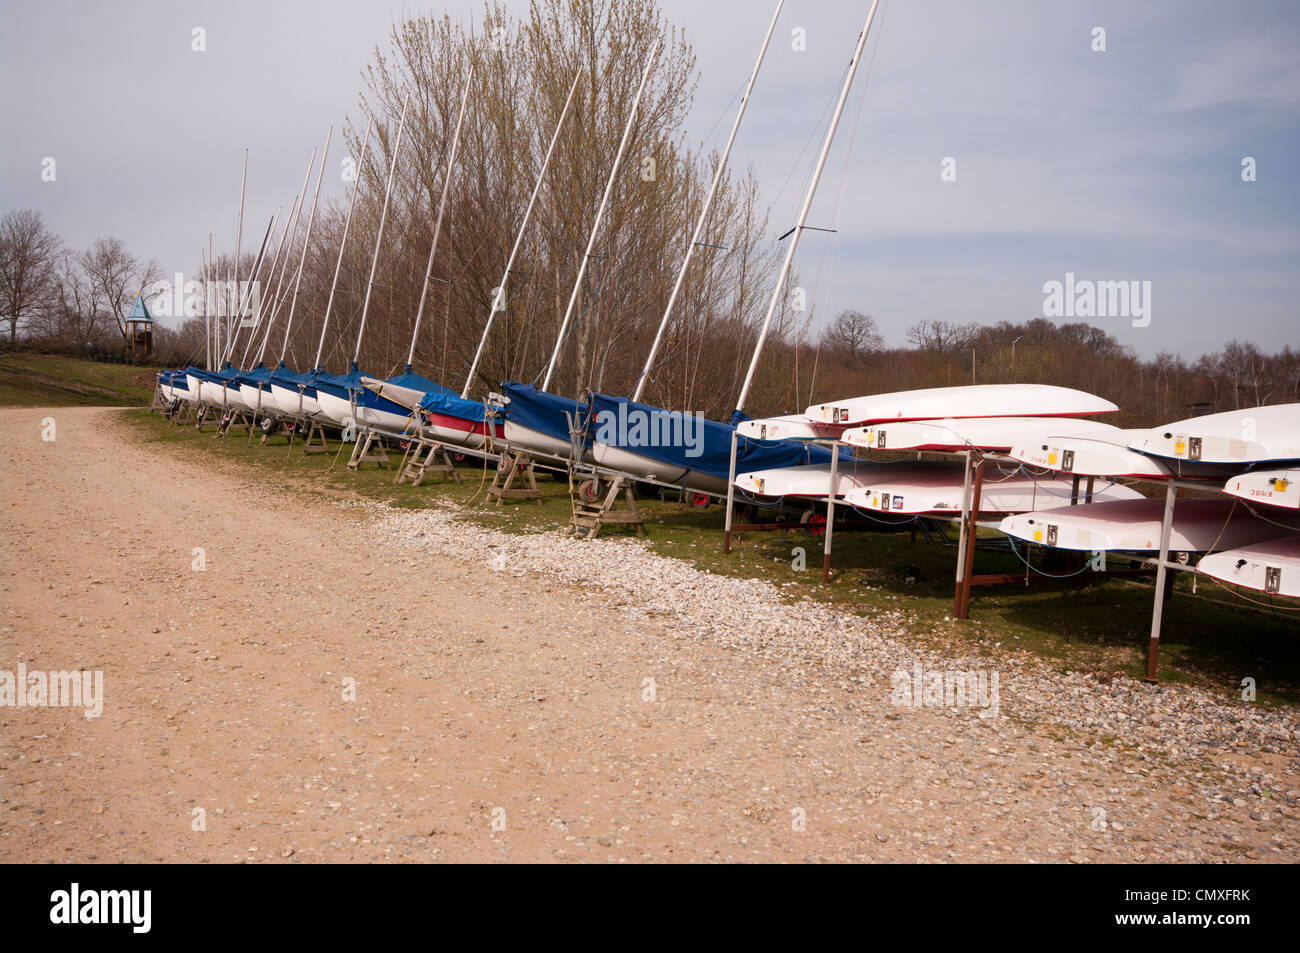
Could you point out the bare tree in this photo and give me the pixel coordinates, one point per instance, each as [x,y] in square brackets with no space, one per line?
[29,254]
[75,316]
[116,275]
[942,336]
[852,335]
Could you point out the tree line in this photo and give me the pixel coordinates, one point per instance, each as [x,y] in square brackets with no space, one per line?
[68,299]
[850,357]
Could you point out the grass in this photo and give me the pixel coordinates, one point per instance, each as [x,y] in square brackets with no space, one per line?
[1081,623]
[28,379]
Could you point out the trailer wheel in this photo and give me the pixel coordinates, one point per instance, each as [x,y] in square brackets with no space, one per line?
[699,500]
[589,490]
[814,522]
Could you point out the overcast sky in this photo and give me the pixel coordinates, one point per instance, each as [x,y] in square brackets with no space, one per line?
[1116,165]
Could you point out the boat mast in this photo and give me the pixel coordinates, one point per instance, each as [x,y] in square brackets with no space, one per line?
[600,212]
[230,341]
[290,230]
[271,276]
[278,300]
[207,317]
[239,235]
[306,240]
[803,212]
[704,212]
[499,298]
[437,225]
[379,237]
[255,281]
[209,304]
[347,222]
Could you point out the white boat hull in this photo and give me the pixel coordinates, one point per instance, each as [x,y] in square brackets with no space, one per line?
[975,400]
[790,427]
[814,480]
[293,402]
[1274,487]
[211,393]
[1272,566]
[648,468]
[342,412]
[984,433]
[1134,526]
[1250,435]
[337,410]
[256,399]
[528,440]
[935,493]
[1090,456]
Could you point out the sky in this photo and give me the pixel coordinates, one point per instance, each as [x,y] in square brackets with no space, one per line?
[987,149]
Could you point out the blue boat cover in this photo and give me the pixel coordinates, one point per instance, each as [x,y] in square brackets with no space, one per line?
[632,426]
[255,377]
[409,378]
[293,381]
[543,412]
[453,405]
[340,385]
[174,378]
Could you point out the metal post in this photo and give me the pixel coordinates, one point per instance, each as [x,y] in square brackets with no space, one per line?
[965,510]
[830,512]
[1162,570]
[963,591]
[731,494]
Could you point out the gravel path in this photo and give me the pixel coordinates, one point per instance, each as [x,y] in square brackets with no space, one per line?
[352,682]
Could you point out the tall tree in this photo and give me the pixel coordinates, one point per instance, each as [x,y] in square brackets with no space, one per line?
[116,275]
[29,255]
[852,335]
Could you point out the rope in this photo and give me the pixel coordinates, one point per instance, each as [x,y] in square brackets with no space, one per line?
[1266,605]
[1033,568]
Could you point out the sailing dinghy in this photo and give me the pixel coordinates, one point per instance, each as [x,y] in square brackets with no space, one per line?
[1274,487]
[1272,566]
[1199,525]
[975,433]
[940,492]
[1247,436]
[972,400]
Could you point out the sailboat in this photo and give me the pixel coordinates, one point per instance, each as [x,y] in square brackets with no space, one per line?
[443,415]
[336,394]
[294,393]
[540,423]
[707,468]
[393,404]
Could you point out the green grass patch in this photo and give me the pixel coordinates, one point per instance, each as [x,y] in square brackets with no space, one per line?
[1081,623]
[28,379]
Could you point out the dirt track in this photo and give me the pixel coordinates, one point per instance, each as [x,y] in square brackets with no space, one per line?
[478,699]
